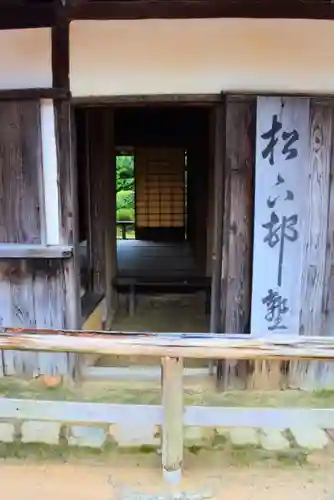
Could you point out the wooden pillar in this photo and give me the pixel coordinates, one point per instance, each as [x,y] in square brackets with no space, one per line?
[238,225]
[110,217]
[102,189]
[218,194]
[172,429]
[67,180]
[198,159]
[210,200]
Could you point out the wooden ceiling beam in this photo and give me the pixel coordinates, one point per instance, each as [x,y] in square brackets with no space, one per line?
[27,16]
[46,14]
[167,9]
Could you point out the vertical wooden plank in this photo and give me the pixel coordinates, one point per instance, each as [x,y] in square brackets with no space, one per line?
[316,220]
[67,178]
[21,218]
[209,221]
[102,209]
[328,302]
[327,369]
[172,430]
[49,302]
[22,315]
[20,158]
[312,315]
[238,222]
[69,222]
[6,365]
[282,152]
[219,196]
[68,204]
[110,217]
[240,162]
[198,159]
[98,192]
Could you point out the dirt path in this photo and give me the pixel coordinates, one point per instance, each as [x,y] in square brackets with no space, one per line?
[26,481]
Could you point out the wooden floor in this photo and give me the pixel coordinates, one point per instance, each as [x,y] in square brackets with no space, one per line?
[144,258]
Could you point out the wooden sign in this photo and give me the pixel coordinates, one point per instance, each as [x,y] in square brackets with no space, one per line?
[282,156]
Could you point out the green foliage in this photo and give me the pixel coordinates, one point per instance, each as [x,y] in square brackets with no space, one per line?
[124,173]
[125,199]
[125,214]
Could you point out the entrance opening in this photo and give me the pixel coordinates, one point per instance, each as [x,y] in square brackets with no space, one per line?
[157,261]
[169,147]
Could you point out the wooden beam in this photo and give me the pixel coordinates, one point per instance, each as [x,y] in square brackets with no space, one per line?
[40,15]
[152,99]
[150,415]
[60,53]
[193,345]
[172,429]
[185,99]
[23,251]
[45,15]
[165,9]
[33,94]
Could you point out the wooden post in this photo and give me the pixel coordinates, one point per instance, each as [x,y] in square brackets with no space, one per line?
[219,196]
[172,431]
[238,227]
[218,216]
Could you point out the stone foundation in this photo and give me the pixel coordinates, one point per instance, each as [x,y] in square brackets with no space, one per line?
[149,437]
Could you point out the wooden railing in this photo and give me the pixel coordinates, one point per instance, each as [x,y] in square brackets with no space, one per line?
[172,348]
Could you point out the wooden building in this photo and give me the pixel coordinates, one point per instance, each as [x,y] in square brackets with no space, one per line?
[235,93]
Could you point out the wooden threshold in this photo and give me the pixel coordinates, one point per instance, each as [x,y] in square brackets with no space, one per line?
[23,251]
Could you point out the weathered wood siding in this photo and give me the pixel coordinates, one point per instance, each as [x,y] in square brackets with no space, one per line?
[328,297]
[316,250]
[20,162]
[32,294]
[306,280]
[35,292]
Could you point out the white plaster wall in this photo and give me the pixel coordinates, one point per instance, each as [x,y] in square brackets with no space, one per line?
[201,56]
[25,58]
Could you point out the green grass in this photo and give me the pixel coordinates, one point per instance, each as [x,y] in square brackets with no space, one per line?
[140,392]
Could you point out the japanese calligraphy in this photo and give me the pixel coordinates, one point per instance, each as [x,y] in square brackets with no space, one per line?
[276,308]
[289,196]
[279,230]
[272,136]
[281,179]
